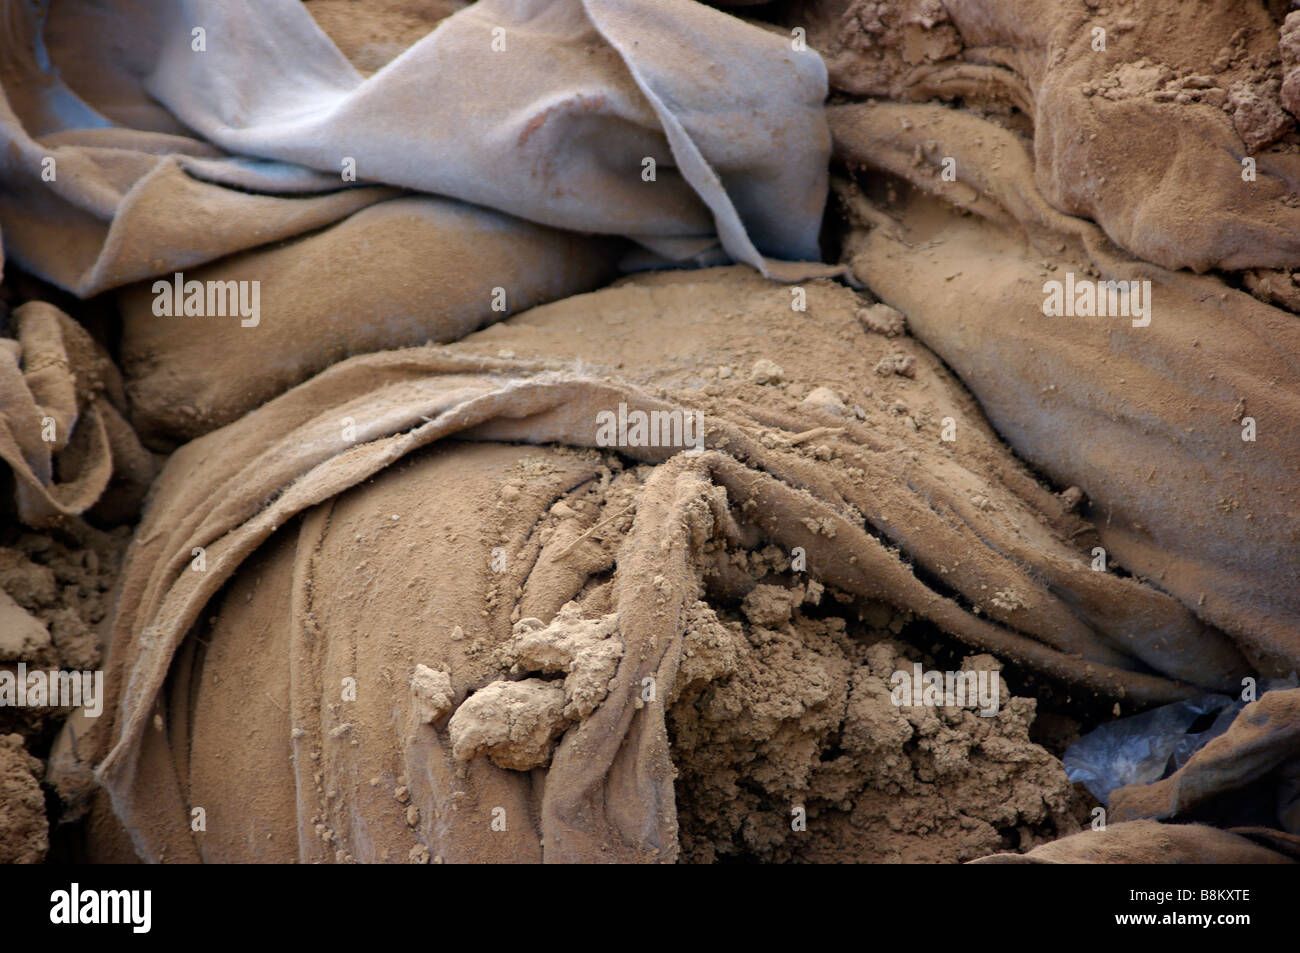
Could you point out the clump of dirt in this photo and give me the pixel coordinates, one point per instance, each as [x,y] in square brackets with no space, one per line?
[798,754]
[871,46]
[1288,48]
[24,831]
[587,650]
[515,723]
[56,590]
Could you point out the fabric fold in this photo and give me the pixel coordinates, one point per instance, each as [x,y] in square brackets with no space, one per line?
[587,130]
[1003,575]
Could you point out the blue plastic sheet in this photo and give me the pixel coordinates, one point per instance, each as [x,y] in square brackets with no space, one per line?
[1154,744]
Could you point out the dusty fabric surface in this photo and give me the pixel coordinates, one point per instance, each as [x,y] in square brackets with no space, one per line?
[1142,130]
[62,430]
[798,452]
[1156,413]
[1169,134]
[1144,136]
[414,606]
[371,35]
[398,273]
[586,98]
[23,828]
[1149,842]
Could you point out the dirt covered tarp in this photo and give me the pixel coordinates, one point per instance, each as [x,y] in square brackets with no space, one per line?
[135,150]
[456,546]
[502,611]
[1074,150]
[454,602]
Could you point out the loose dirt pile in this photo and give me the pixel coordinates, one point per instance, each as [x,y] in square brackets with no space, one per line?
[803,721]
[54,594]
[23,827]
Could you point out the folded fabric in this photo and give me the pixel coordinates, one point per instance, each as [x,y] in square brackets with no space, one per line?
[1162,128]
[1174,409]
[1140,748]
[1149,842]
[795,452]
[652,120]
[62,432]
[1257,759]
[398,273]
[1245,782]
